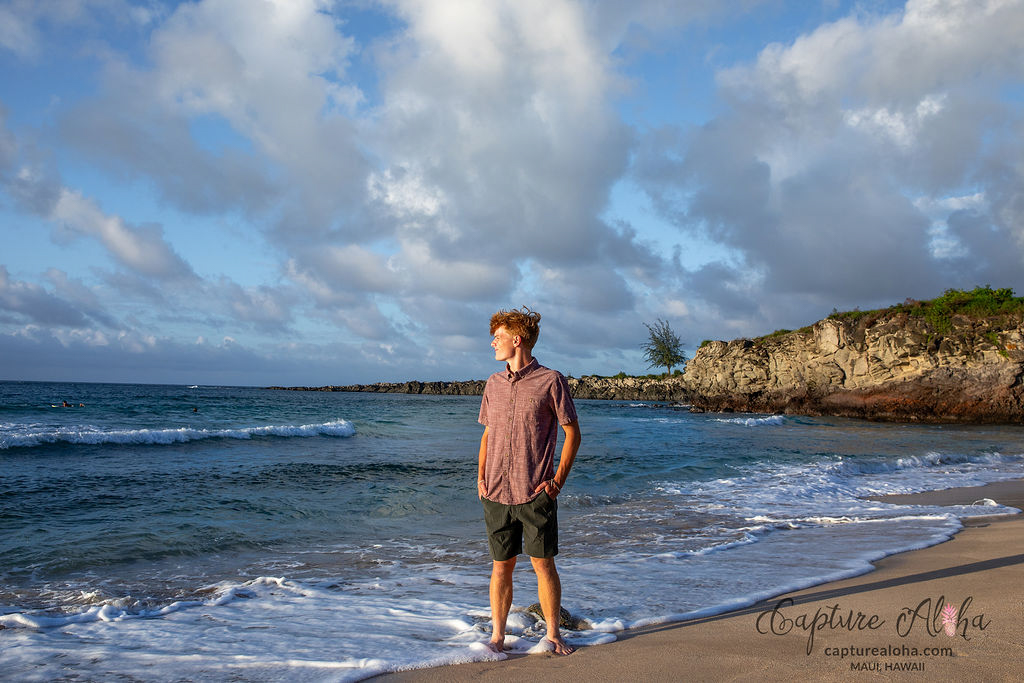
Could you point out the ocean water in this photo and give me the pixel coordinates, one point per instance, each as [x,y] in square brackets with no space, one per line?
[211,533]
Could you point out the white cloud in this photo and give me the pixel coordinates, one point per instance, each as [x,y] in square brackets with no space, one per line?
[895,59]
[270,69]
[27,173]
[349,267]
[430,273]
[33,302]
[29,176]
[824,172]
[594,288]
[265,307]
[509,135]
[900,128]
[141,248]
[16,33]
[403,193]
[22,22]
[944,244]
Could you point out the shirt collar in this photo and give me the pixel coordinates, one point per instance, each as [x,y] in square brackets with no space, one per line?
[523,372]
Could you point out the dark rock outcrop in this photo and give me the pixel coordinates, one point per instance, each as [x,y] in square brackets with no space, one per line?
[474,387]
[591,386]
[630,388]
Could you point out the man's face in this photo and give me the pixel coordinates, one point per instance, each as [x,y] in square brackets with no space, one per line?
[503,344]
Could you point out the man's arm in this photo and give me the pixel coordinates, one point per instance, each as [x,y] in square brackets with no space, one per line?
[481,487]
[570,446]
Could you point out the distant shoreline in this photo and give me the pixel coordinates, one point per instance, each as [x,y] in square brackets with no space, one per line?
[670,388]
[471,387]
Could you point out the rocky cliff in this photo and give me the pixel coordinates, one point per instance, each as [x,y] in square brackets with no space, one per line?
[892,365]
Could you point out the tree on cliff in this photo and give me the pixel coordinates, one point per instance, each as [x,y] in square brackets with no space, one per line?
[664,347]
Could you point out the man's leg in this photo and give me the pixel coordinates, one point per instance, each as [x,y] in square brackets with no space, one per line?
[501,600]
[549,590]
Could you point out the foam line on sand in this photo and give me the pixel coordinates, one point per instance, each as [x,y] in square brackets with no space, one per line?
[884,624]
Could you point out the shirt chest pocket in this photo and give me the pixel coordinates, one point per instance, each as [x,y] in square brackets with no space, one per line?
[536,410]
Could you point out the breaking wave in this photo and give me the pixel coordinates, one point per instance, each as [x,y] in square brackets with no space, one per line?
[93,436]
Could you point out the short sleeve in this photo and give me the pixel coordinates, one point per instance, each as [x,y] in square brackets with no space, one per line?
[483,406]
[565,409]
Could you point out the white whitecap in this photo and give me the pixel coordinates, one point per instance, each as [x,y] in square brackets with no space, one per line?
[754,421]
[83,435]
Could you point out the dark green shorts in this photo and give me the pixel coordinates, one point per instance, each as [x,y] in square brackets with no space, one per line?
[510,526]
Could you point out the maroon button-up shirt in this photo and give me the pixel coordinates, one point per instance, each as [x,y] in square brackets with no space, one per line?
[522,411]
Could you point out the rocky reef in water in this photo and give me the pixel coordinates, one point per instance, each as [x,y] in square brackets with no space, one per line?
[473,387]
[672,388]
[947,360]
[590,386]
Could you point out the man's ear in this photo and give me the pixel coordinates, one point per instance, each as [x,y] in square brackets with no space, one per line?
[517,340]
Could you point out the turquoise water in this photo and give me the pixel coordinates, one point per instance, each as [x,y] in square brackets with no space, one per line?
[335,535]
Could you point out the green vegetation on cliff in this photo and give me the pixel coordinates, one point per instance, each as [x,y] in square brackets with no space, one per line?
[980,302]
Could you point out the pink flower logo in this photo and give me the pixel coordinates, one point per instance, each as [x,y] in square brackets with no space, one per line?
[949,620]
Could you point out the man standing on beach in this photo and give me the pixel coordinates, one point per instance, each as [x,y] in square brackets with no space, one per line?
[522,407]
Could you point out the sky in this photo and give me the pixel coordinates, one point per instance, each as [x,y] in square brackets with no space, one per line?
[307,192]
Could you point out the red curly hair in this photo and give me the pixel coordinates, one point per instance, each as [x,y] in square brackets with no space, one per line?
[519,321]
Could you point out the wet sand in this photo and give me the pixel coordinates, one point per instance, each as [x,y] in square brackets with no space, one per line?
[886,624]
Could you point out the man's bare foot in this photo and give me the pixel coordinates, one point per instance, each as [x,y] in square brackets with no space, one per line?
[560,647]
[496,646]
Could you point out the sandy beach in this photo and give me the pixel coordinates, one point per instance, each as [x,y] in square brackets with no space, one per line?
[886,624]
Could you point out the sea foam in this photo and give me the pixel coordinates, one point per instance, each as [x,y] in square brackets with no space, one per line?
[754,421]
[94,436]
